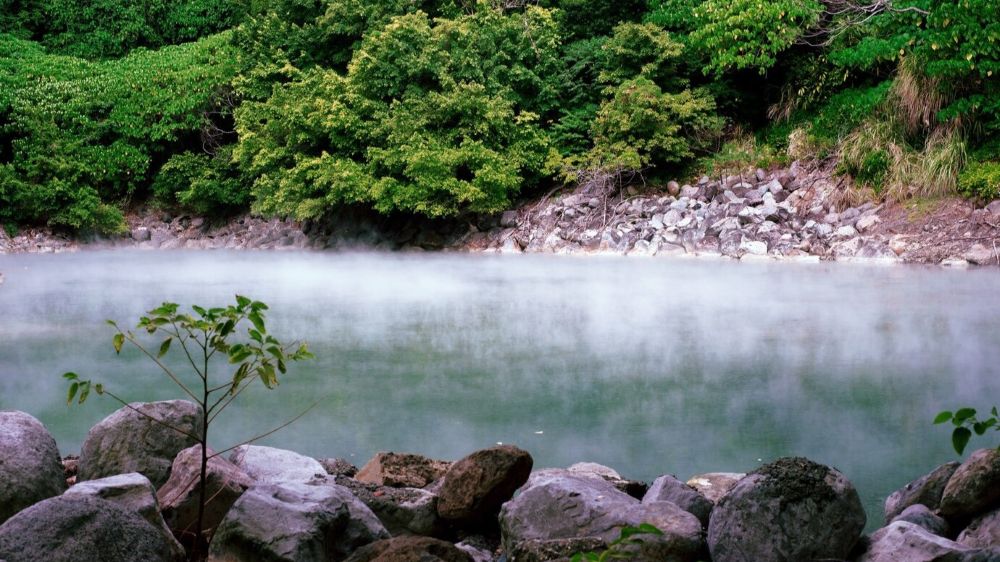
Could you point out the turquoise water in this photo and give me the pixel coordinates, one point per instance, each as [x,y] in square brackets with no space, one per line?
[650,366]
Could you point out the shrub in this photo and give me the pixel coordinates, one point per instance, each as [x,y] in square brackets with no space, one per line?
[980,181]
[202,183]
[641,126]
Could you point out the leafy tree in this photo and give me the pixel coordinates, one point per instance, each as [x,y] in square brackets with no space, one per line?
[206,184]
[81,138]
[642,126]
[431,117]
[204,338]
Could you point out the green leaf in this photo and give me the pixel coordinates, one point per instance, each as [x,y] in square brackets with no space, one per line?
[164,347]
[84,393]
[118,341]
[70,376]
[72,392]
[258,321]
[960,438]
[99,389]
[943,417]
[201,311]
[242,301]
[963,414]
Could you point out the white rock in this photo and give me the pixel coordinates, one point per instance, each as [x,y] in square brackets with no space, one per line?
[867,222]
[269,465]
[754,247]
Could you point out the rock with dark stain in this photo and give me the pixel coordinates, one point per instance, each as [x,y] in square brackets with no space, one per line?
[476,486]
[787,511]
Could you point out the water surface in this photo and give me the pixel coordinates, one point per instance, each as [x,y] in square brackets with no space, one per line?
[650,366]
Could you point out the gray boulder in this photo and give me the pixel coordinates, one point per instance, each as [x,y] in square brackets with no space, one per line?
[402,470]
[974,487]
[134,492]
[129,441]
[919,514]
[792,509]
[30,468]
[410,549]
[295,522]
[670,489]
[906,542]
[181,494]
[982,532]
[81,527]
[635,488]
[926,490]
[268,465]
[476,486]
[714,485]
[403,511]
[557,505]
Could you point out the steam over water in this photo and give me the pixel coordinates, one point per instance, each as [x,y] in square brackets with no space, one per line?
[648,366]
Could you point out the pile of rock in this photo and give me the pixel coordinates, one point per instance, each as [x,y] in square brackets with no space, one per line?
[141,503]
[138,497]
[786,214]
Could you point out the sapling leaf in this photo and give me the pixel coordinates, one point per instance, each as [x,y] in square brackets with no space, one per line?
[71,393]
[257,321]
[943,417]
[118,341]
[164,347]
[960,438]
[963,414]
[84,393]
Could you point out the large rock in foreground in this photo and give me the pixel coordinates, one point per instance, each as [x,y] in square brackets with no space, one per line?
[181,495]
[401,470]
[268,465]
[30,468]
[295,522]
[558,511]
[78,528]
[982,532]
[476,486]
[134,492]
[906,542]
[974,487]
[129,441]
[410,549]
[926,490]
[790,510]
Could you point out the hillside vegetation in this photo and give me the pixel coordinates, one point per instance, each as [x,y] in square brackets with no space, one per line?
[446,107]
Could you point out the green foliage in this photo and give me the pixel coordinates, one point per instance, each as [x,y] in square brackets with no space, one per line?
[739,154]
[111,28]
[204,338]
[435,118]
[641,126]
[622,548]
[980,181]
[846,111]
[749,34]
[966,422]
[639,51]
[957,41]
[583,19]
[83,136]
[202,183]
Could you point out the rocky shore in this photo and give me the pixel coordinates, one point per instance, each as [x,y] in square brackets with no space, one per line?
[123,500]
[803,213]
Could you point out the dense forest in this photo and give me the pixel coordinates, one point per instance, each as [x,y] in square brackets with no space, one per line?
[445,107]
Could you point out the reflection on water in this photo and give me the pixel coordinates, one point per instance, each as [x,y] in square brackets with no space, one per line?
[649,366]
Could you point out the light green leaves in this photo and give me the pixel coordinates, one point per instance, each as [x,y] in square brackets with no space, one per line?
[118,340]
[81,388]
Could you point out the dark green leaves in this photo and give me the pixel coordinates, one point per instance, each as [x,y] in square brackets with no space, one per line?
[966,423]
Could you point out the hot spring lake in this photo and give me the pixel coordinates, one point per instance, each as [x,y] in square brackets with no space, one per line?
[650,366]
